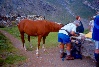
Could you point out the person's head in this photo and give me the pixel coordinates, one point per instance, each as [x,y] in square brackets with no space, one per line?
[96,21]
[92,18]
[97,12]
[77,17]
[77,22]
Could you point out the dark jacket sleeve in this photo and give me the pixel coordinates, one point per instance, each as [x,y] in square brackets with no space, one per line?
[80,28]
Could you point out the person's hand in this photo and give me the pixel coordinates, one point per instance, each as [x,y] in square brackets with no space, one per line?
[74,41]
[77,34]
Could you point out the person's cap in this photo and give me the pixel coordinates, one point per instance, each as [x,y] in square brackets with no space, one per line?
[97,12]
[77,17]
[94,16]
[77,22]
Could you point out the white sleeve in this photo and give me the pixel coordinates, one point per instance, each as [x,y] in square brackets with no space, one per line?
[90,23]
[74,29]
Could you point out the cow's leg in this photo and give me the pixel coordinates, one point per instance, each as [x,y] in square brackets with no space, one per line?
[43,46]
[39,40]
[23,41]
[29,41]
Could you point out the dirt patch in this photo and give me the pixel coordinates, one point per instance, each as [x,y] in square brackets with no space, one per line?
[49,58]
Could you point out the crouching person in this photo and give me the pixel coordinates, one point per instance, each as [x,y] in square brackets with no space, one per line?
[64,38]
[95,36]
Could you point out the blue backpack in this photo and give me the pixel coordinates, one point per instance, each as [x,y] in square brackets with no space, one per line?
[76,50]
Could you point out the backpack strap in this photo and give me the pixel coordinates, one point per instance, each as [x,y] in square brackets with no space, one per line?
[67,32]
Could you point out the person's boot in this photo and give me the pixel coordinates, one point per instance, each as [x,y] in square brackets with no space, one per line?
[69,57]
[97,64]
[97,59]
[62,55]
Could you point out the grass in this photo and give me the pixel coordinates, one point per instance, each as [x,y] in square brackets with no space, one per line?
[90,0]
[13,59]
[8,54]
[86,31]
[77,7]
[51,39]
[61,15]
[80,9]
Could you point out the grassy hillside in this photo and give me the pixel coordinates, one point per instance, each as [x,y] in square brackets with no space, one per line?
[63,11]
[77,7]
[9,55]
[63,15]
[51,39]
[80,9]
[71,8]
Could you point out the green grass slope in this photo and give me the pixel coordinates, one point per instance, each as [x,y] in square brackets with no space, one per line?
[69,7]
[9,55]
[51,39]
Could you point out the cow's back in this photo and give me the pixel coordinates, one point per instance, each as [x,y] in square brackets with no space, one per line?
[33,28]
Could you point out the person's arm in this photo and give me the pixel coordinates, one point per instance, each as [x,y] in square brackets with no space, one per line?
[89,27]
[73,33]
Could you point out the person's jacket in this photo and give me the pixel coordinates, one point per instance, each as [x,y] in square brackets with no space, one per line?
[80,28]
[95,33]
